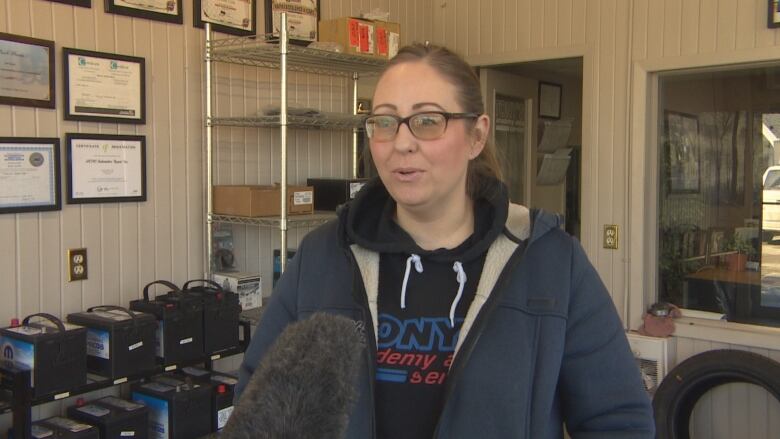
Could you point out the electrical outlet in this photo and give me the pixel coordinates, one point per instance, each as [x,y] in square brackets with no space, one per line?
[611,236]
[77,264]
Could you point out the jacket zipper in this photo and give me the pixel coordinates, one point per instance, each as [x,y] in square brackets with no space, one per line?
[357,284]
[476,331]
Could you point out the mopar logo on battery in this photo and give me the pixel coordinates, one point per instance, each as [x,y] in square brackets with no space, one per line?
[8,352]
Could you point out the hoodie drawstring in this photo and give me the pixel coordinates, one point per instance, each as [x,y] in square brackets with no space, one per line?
[457,268]
[461,277]
[417,266]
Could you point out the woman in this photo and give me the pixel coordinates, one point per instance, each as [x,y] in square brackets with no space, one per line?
[483,319]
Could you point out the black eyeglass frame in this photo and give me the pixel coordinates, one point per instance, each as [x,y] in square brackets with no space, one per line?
[405,120]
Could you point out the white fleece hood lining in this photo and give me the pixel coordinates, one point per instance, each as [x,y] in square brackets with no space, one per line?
[518,223]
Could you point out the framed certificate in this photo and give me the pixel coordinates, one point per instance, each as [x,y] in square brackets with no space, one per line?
[26,71]
[161,10]
[29,174]
[302,19]
[104,87]
[236,17]
[104,168]
[82,3]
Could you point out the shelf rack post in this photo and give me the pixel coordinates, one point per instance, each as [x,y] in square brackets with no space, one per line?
[283,139]
[355,78]
[209,149]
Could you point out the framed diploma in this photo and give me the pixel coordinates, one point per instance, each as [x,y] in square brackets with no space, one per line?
[161,10]
[236,17]
[82,3]
[29,174]
[104,87]
[26,71]
[105,168]
[302,19]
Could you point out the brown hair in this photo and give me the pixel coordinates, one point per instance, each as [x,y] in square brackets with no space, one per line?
[462,76]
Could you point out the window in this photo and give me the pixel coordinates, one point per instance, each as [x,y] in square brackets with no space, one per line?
[719,192]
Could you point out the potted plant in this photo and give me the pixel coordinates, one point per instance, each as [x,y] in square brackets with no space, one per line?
[740,249]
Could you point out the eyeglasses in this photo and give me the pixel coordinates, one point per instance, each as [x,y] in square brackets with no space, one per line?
[425,126]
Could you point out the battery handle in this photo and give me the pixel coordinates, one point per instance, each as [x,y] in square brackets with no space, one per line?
[46,316]
[170,285]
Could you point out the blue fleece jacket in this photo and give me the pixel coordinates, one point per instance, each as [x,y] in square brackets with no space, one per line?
[541,345]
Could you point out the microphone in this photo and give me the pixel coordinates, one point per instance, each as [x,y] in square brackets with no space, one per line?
[304,387]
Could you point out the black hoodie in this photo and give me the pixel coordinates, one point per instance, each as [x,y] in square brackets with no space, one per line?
[422,301]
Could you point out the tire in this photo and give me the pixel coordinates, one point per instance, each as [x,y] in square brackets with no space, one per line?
[678,393]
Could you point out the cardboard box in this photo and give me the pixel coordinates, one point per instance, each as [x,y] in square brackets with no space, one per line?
[248,286]
[362,37]
[388,39]
[254,201]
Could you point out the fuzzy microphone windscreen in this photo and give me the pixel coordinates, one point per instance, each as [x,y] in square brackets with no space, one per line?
[304,387]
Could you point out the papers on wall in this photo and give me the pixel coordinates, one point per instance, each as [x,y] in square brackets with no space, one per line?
[553,168]
[555,135]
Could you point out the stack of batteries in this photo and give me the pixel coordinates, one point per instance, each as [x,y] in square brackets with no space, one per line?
[179,336]
[221,312]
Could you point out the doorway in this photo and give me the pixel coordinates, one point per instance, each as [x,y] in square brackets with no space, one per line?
[536,110]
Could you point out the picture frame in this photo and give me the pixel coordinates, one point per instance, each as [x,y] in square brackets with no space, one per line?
[303,18]
[28,71]
[82,3]
[103,87]
[169,11]
[773,13]
[682,152]
[234,17]
[550,100]
[105,168]
[30,171]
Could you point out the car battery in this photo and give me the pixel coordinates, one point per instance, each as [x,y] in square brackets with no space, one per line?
[177,409]
[179,336]
[120,342]
[222,396]
[115,418]
[222,406]
[330,193]
[63,428]
[53,351]
[221,312]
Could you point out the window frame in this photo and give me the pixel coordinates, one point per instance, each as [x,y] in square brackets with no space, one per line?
[642,215]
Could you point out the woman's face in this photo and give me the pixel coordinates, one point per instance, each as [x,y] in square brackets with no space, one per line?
[424,175]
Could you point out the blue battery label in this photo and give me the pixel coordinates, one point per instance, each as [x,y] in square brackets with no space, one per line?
[98,344]
[18,353]
[158,415]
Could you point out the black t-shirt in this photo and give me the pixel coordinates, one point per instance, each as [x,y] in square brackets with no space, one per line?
[416,344]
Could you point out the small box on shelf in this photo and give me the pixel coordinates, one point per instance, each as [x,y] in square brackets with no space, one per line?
[333,192]
[259,201]
[248,286]
[379,39]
